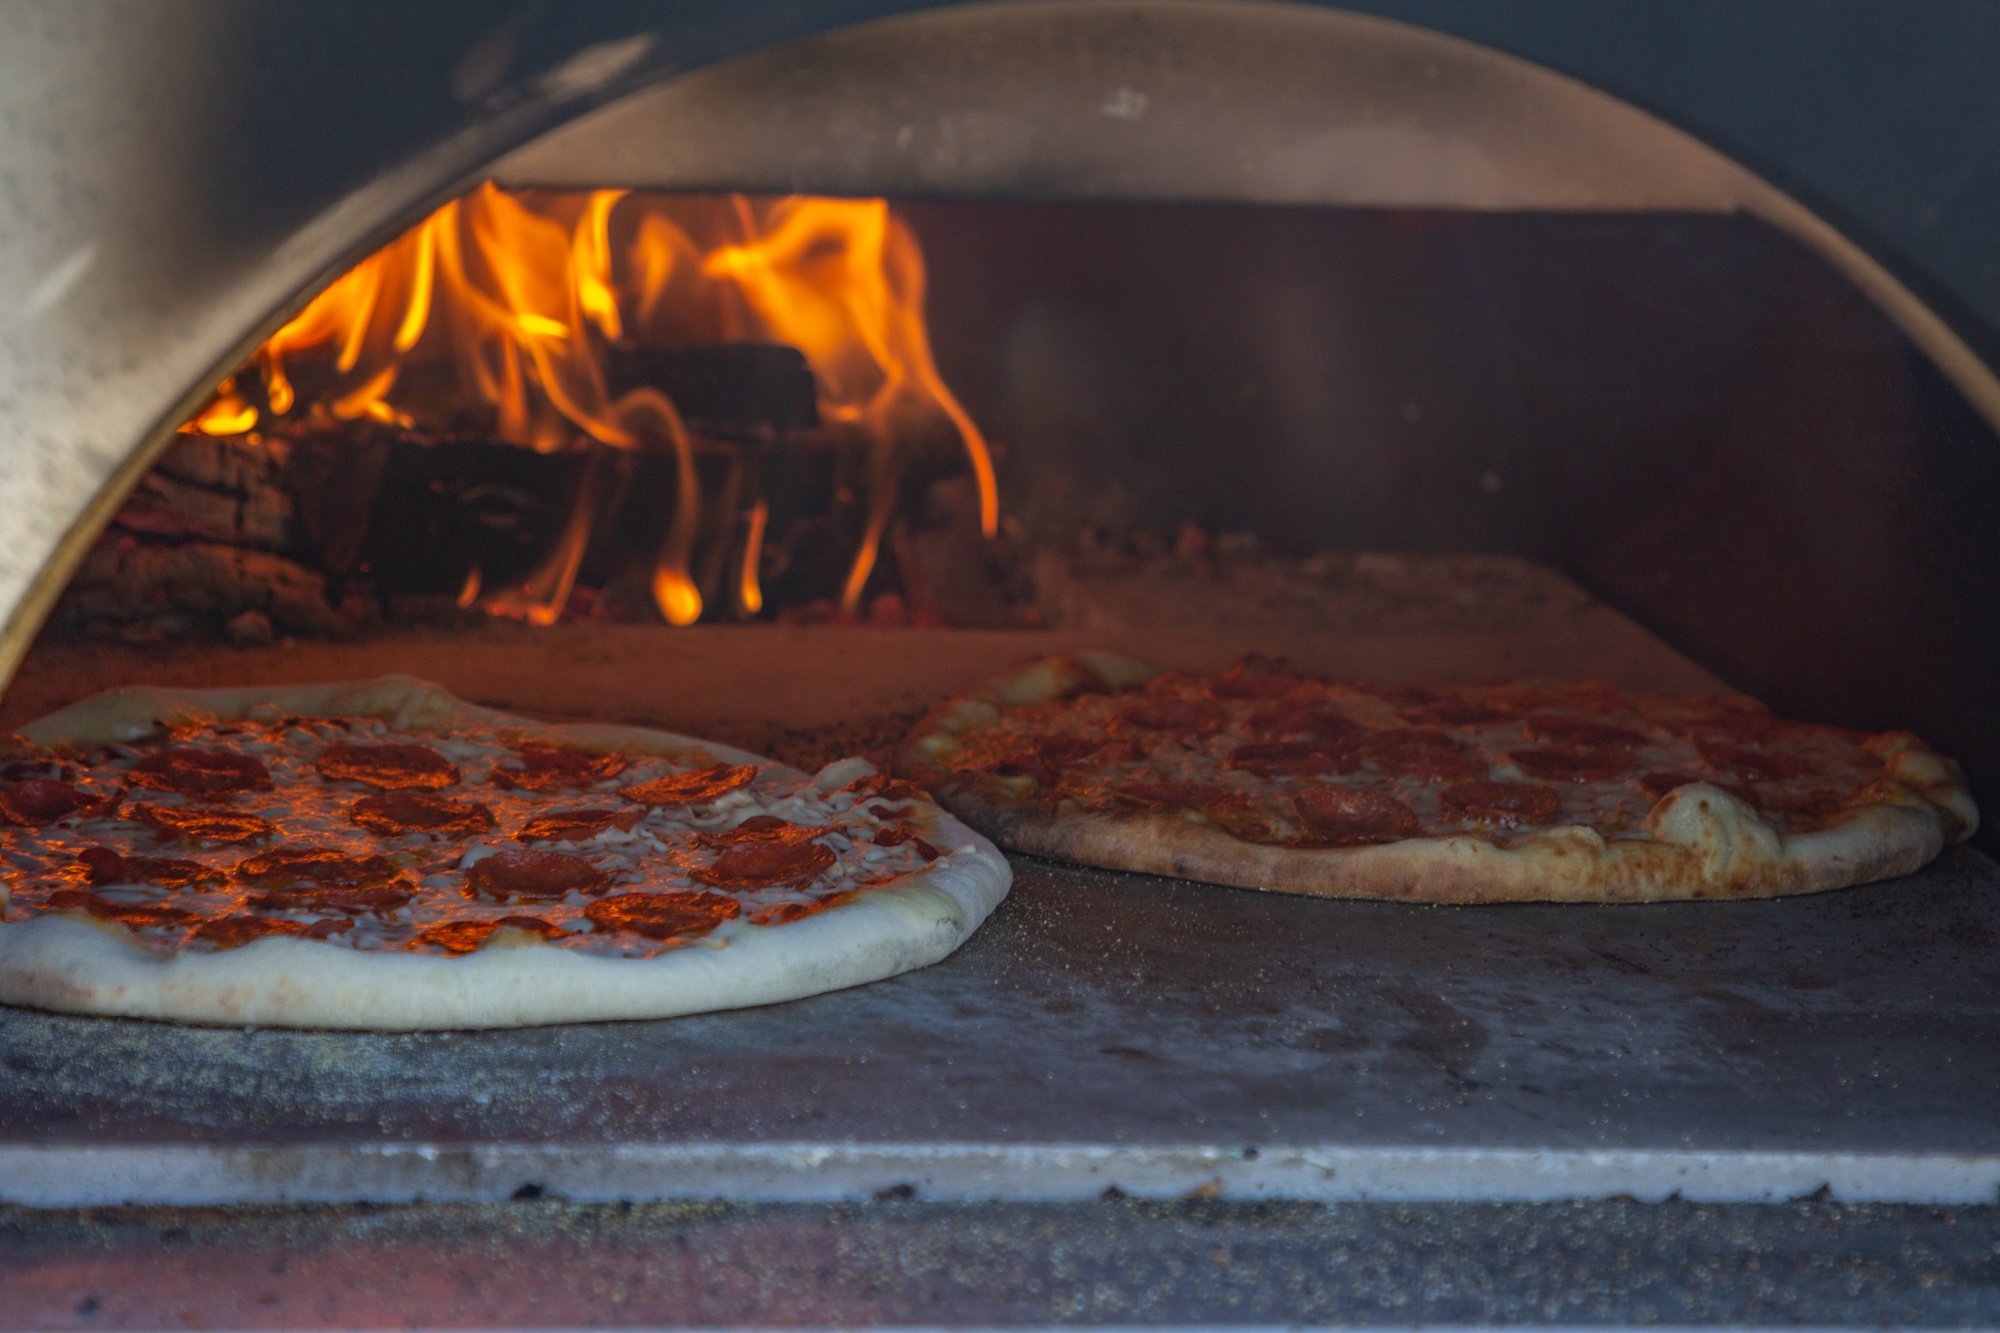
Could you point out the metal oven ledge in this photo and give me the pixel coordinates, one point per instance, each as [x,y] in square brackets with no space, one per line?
[1125,1034]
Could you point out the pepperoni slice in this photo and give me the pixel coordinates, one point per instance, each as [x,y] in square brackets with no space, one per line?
[1575,733]
[531,873]
[200,772]
[552,767]
[894,836]
[1420,752]
[393,812]
[1049,756]
[197,823]
[349,898]
[1225,807]
[765,829]
[466,936]
[233,932]
[882,785]
[1454,713]
[287,867]
[703,784]
[575,825]
[1505,803]
[1179,717]
[126,914]
[662,916]
[1657,785]
[1754,765]
[104,866]
[78,900]
[760,865]
[389,767]
[1337,729]
[1283,759]
[1351,816]
[37,801]
[1241,817]
[1559,765]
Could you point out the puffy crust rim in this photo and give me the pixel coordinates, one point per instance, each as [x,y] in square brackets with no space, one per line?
[1704,843]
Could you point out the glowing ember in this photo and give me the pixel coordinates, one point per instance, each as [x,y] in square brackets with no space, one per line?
[511,301]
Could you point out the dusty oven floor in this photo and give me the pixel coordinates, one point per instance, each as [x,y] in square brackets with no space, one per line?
[1102,1031]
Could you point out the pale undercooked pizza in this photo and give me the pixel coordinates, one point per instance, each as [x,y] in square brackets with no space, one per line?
[1266,778]
[383,855]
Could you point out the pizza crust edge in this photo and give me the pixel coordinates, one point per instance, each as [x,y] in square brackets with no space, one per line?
[69,963]
[1704,843]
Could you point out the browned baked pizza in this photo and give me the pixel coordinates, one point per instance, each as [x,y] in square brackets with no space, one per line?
[383,855]
[1268,778]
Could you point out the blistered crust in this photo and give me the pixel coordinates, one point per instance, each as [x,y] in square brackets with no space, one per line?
[79,965]
[135,712]
[1701,841]
[1937,779]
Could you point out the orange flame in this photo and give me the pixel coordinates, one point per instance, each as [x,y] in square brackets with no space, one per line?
[226,414]
[843,280]
[511,300]
[749,591]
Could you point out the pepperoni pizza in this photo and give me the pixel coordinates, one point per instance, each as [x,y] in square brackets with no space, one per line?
[384,855]
[1262,777]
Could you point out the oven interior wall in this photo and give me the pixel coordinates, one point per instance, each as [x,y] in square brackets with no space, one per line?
[1689,413]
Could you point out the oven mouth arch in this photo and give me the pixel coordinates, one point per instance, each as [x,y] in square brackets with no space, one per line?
[929,104]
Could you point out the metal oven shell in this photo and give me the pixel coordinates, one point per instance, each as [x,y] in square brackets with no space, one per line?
[174,181]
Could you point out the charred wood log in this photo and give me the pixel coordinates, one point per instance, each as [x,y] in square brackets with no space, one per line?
[415,513]
[226,489]
[339,523]
[729,390]
[206,544]
[144,590]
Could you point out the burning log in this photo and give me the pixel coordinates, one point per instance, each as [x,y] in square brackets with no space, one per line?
[205,545]
[727,390]
[225,489]
[527,390]
[141,591]
[350,523]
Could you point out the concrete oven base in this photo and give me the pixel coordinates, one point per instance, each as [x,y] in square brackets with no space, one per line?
[1154,1038]
[1114,1262]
